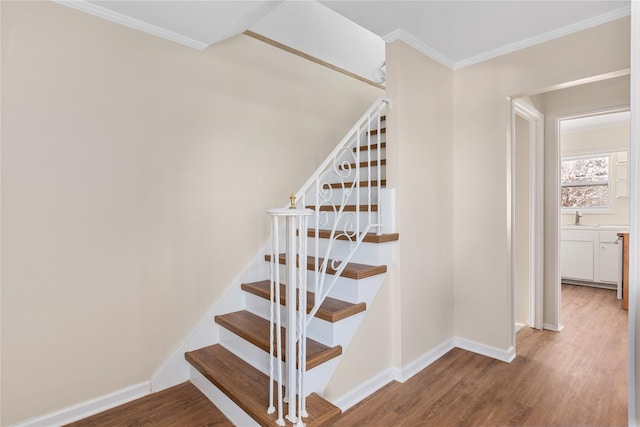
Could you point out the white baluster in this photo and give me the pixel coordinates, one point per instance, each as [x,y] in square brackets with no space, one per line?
[295,327]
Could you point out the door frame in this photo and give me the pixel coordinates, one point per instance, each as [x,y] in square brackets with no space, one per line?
[535,119]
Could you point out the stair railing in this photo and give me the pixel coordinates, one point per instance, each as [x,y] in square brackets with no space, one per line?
[355,212]
[341,201]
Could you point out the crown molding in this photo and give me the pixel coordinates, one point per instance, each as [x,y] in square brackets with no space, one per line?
[407,38]
[560,32]
[432,53]
[127,21]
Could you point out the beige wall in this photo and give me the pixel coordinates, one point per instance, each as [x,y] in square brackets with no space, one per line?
[133,189]
[414,311]
[482,164]
[121,153]
[580,99]
[421,161]
[521,226]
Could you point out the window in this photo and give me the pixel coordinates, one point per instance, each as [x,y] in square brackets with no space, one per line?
[585,182]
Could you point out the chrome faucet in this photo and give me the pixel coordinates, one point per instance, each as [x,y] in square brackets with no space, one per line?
[578,216]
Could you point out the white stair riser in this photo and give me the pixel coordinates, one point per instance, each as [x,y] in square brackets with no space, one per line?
[327,333]
[228,407]
[316,378]
[346,172]
[365,156]
[367,253]
[344,289]
[338,333]
[374,138]
[347,195]
[347,220]
[354,291]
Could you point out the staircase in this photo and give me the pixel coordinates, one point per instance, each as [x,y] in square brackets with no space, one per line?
[345,266]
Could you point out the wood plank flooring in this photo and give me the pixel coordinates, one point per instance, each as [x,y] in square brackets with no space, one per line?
[577,377]
[182,405]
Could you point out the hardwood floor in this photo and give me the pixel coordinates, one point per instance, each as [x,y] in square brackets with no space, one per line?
[577,377]
[182,405]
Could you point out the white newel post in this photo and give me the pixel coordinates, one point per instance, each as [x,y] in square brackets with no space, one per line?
[295,337]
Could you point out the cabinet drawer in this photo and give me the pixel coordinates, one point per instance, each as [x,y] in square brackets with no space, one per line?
[608,236]
[578,235]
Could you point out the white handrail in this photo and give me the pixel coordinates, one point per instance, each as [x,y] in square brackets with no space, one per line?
[344,142]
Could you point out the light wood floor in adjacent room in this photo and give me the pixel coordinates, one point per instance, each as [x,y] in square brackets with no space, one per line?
[577,377]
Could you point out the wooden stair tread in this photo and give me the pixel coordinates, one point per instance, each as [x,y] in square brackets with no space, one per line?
[353,270]
[369,237]
[249,388]
[347,208]
[365,164]
[372,147]
[347,185]
[255,329]
[332,310]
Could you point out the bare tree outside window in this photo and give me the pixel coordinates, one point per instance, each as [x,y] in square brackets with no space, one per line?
[585,182]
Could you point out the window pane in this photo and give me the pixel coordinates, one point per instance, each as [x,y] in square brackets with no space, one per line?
[586,196]
[594,169]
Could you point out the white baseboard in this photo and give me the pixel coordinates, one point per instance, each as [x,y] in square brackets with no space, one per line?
[553,327]
[344,402]
[365,389]
[90,407]
[372,385]
[375,383]
[425,360]
[486,350]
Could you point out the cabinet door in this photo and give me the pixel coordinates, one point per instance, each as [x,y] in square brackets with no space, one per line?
[577,260]
[609,262]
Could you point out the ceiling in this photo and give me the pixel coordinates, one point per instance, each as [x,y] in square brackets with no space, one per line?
[467,31]
[456,33]
[597,121]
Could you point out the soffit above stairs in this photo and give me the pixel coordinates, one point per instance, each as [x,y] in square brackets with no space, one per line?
[455,33]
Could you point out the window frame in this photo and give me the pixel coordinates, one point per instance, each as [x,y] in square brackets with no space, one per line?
[609,183]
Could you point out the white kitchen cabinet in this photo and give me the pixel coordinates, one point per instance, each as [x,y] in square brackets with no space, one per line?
[577,255]
[609,261]
[590,255]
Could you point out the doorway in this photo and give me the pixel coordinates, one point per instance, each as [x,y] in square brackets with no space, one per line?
[594,197]
[527,215]
[598,94]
